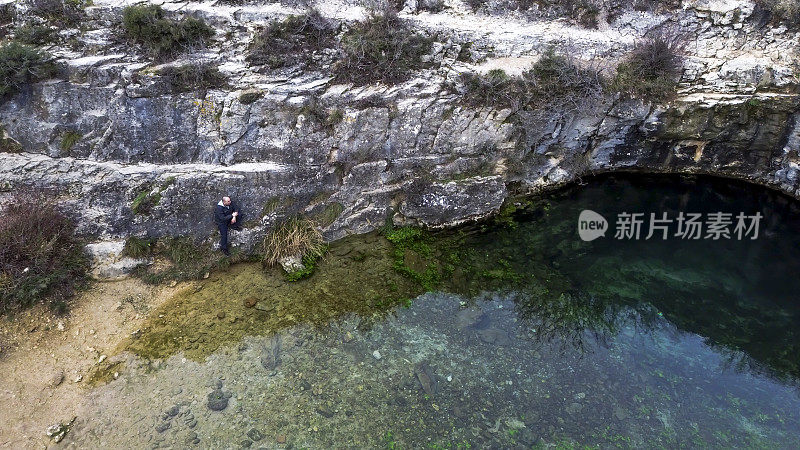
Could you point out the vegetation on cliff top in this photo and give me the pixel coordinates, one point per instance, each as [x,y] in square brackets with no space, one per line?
[162,37]
[194,76]
[553,79]
[382,48]
[785,11]
[293,40]
[61,13]
[651,71]
[21,65]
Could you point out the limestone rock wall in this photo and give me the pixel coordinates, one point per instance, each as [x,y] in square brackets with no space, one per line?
[414,150]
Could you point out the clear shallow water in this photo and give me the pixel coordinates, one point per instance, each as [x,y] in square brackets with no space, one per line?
[546,341]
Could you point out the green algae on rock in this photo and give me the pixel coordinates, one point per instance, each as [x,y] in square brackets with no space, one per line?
[355,276]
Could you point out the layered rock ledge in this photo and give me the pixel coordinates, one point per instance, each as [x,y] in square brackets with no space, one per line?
[415,151]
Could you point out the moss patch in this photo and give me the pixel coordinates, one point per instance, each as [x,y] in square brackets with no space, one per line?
[309,264]
[354,277]
[329,215]
[69,139]
[104,372]
[7,144]
[146,200]
[249,97]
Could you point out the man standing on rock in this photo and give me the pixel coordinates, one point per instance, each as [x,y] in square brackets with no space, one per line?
[226,215]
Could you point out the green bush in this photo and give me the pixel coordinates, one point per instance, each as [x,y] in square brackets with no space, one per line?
[69,139]
[34,34]
[652,70]
[583,12]
[150,197]
[41,259]
[161,36]
[382,48]
[62,13]
[293,40]
[554,80]
[21,65]
[193,76]
[145,201]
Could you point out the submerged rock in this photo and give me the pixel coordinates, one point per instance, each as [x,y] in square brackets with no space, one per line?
[427,378]
[265,305]
[293,263]
[272,356]
[218,400]
[255,435]
[467,317]
[57,431]
[494,336]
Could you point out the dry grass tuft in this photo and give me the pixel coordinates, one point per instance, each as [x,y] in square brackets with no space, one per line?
[296,236]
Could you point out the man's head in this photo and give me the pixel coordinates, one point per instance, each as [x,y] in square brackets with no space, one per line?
[226,201]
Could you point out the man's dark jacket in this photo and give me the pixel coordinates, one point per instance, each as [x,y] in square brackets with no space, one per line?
[224,214]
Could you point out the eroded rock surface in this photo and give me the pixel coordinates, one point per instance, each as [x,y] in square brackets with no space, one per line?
[415,149]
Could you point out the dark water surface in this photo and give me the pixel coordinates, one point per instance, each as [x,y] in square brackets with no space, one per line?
[692,342]
[532,339]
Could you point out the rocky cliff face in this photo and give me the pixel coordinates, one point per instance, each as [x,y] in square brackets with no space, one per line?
[299,142]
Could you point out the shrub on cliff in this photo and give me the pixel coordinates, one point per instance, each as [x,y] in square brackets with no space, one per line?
[382,48]
[21,65]
[62,13]
[293,40]
[162,36]
[494,88]
[652,70]
[583,12]
[6,16]
[34,34]
[193,77]
[432,6]
[554,80]
[41,259]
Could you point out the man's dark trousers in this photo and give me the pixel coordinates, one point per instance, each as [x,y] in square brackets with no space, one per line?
[223,233]
[223,216]
[223,237]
